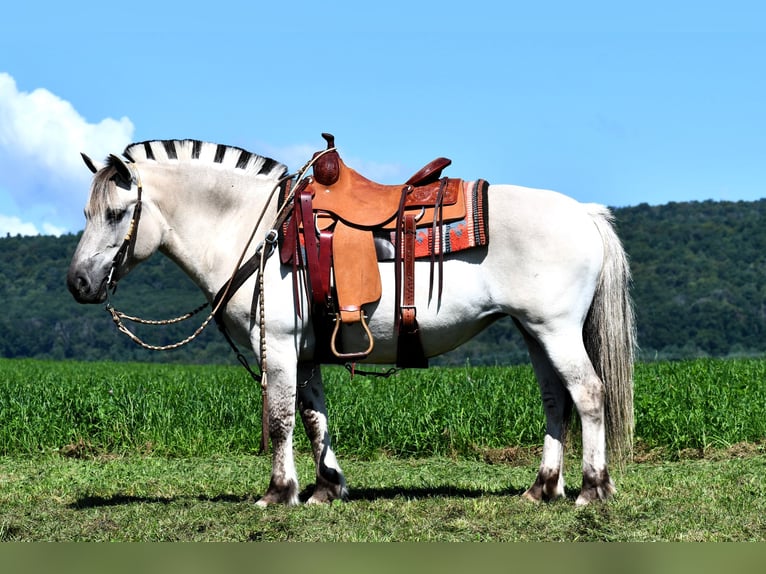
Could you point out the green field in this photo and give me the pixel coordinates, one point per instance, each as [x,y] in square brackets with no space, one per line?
[174,410]
[108,451]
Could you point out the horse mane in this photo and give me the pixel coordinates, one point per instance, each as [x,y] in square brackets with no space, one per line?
[188,150]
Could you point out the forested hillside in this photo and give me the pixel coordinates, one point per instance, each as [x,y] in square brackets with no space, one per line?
[699,274]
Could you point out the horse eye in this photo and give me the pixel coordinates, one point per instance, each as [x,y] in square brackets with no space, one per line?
[114,216]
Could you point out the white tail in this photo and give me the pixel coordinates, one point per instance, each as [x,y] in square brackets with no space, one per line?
[610,337]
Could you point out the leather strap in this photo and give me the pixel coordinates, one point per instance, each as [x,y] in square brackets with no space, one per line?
[325,263]
[409,348]
[437,230]
[408,317]
[398,246]
[312,248]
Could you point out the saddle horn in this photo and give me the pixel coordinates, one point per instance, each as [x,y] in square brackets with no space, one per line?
[327,167]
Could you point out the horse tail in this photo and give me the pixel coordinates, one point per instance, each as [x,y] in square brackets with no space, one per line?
[609,334]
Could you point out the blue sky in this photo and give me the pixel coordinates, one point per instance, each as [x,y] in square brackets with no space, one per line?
[614,102]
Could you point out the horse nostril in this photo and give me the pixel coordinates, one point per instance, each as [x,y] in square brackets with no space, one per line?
[77,283]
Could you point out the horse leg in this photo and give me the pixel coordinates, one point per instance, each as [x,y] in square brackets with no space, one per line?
[573,365]
[330,482]
[283,486]
[566,352]
[557,404]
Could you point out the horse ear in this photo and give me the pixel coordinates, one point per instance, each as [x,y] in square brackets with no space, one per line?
[92,165]
[122,168]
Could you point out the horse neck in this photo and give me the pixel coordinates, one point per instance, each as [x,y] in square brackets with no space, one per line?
[209,217]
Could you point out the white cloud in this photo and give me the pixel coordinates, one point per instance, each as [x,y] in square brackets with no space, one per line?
[41,137]
[50,229]
[14,226]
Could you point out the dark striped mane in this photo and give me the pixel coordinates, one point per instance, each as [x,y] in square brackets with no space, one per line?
[180,151]
[188,150]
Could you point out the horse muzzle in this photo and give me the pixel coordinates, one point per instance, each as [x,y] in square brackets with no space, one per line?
[85,288]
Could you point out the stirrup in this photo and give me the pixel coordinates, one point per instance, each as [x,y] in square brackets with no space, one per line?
[351,356]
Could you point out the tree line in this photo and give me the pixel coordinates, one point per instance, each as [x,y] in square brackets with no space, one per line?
[699,286]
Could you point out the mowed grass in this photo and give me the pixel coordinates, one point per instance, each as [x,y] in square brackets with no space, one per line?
[426,499]
[105,451]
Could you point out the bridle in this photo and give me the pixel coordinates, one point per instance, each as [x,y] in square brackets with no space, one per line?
[128,244]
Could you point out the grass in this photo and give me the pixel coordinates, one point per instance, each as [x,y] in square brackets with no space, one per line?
[433,499]
[104,451]
[174,410]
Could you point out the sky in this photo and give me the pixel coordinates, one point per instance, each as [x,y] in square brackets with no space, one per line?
[619,103]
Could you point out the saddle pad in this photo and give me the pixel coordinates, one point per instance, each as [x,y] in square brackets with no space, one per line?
[470,231]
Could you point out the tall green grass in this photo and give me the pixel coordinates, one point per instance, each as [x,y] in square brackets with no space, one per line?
[439,411]
[701,404]
[112,407]
[177,410]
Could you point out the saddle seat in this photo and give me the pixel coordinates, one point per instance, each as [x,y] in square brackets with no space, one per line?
[361,202]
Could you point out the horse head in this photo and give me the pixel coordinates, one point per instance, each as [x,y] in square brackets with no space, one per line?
[111,244]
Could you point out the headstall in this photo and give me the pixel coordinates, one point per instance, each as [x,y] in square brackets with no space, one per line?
[128,244]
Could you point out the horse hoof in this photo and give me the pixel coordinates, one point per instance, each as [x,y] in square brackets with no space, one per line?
[287,495]
[548,486]
[601,492]
[595,486]
[530,496]
[586,498]
[265,501]
[328,493]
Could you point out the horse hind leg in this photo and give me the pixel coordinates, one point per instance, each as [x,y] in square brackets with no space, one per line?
[330,482]
[570,360]
[557,405]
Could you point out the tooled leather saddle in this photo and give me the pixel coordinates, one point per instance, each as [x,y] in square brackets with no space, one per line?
[330,235]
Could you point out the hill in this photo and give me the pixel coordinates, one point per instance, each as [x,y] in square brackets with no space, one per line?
[699,271]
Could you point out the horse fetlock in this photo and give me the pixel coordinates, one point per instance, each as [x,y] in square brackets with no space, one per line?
[596,485]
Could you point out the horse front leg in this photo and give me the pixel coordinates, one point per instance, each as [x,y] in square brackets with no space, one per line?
[330,482]
[283,486]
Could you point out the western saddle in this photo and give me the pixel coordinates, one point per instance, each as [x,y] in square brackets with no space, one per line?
[331,235]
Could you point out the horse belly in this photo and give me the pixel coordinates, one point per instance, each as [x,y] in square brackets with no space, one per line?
[463,311]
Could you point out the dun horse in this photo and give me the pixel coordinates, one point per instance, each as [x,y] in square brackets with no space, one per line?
[556,266]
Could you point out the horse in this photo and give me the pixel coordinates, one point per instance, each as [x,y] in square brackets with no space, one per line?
[553,264]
